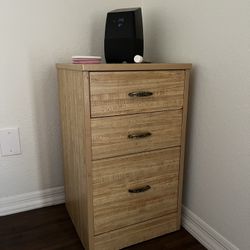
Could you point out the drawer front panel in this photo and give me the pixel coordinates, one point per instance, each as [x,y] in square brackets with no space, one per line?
[121,135]
[115,206]
[114,93]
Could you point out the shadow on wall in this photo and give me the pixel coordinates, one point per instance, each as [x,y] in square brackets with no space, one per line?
[46,121]
[191,105]
[97,34]
[153,40]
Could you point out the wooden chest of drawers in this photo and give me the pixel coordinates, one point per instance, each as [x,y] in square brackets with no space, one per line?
[123,130]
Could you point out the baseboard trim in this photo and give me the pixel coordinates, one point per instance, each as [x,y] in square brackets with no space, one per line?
[205,234]
[33,200]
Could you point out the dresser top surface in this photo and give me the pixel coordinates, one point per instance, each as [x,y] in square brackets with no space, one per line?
[125,66]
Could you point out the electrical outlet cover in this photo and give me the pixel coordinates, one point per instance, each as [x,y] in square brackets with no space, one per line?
[10,141]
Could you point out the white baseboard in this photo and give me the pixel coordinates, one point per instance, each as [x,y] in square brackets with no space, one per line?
[29,201]
[205,234]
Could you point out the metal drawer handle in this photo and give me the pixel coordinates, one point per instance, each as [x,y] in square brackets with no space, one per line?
[139,135]
[140,93]
[139,190]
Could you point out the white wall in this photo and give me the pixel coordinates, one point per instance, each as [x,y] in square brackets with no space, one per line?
[34,36]
[215,37]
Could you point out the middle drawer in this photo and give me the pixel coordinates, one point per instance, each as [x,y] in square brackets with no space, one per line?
[122,135]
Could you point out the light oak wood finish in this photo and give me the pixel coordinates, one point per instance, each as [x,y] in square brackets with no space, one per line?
[125,67]
[110,92]
[136,233]
[115,207]
[75,122]
[101,163]
[110,134]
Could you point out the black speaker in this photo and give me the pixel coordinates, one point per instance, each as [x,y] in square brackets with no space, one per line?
[123,35]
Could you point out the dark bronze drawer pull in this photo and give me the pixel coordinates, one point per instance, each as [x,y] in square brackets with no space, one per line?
[140,94]
[139,190]
[139,135]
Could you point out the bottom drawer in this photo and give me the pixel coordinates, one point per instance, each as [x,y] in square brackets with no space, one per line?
[136,233]
[135,188]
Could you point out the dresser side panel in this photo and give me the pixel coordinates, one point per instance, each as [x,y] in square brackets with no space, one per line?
[75,121]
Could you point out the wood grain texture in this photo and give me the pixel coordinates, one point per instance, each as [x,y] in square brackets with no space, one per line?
[115,207]
[109,92]
[136,233]
[75,120]
[101,162]
[183,143]
[125,66]
[110,134]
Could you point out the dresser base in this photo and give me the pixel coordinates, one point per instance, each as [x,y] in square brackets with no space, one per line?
[137,233]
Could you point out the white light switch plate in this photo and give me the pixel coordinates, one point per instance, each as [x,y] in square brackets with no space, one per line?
[10,141]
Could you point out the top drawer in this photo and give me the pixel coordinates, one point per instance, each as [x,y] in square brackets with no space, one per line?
[115,93]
